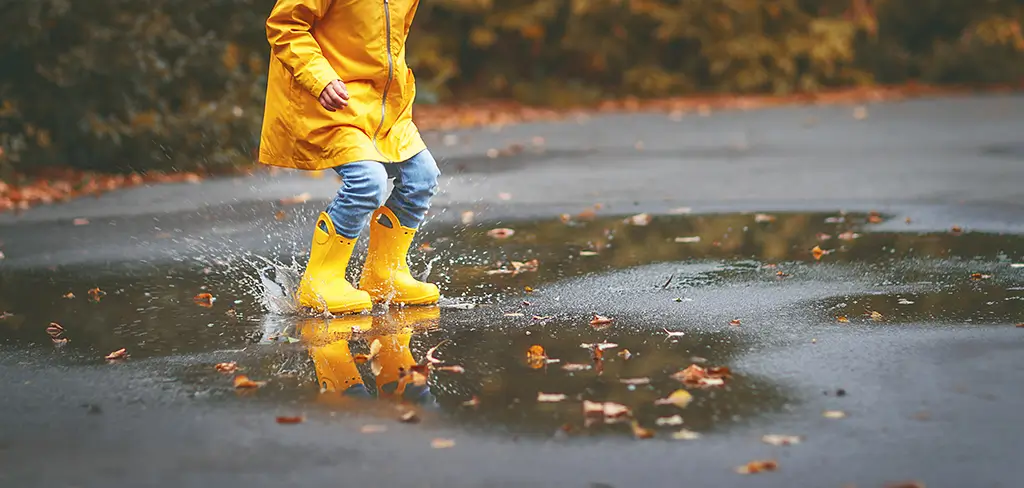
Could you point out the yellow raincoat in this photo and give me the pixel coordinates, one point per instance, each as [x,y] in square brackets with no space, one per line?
[362,43]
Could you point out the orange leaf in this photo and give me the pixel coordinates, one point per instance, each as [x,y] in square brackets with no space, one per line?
[735,322]
[69,295]
[442,443]
[758,467]
[500,233]
[226,367]
[96,293]
[204,300]
[290,419]
[54,330]
[641,432]
[118,354]
[842,319]
[452,369]
[600,320]
[818,252]
[243,382]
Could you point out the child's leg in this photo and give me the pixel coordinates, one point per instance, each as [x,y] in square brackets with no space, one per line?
[363,186]
[415,185]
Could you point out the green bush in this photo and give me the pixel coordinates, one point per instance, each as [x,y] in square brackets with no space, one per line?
[178,84]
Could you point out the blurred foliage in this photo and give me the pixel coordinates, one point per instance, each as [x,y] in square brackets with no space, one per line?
[178,84]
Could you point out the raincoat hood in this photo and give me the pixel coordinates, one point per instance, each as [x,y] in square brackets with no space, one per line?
[362,43]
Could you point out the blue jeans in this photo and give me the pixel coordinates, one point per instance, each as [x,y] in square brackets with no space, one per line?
[365,184]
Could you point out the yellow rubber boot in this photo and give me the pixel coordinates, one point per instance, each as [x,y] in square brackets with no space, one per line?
[394,331]
[323,286]
[386,275]
[336,370]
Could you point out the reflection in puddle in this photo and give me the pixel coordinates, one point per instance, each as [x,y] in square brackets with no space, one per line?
[708,264]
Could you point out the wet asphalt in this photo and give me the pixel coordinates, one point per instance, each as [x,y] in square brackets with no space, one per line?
[930,389]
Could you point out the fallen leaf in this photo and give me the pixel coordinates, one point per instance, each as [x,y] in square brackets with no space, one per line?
[95,294]
[543,317]
[625,354]
[641,432]
[842,319]
[452,369]
[781,274]
[80,222]
[204,300]
[588,253]
[226,367]
[1020,325]
[763,218]
[290,419]
[635,381]
[823,236]
[501,233]
[59,341]
[980,276]
[600,322]
[430,352]
[118,354]
[735,322]
[687,240]
[69,295]
[576,367]
[280,215]
[781,440]
[550,397]
[243,382]
[409,417]
[695,375]
[818,252]
[600,346]
[1017,265]
[639,219]
[906,484]
[758,467]
[673,420]
[472,402]
[680,398]
[514,314]
[54,330]
[956,229]
[833,414]
[6,315]
[536,357]
[875,218]
[848,236]
[611,412]
[876,316]
[680,210]
[685,435]
[442,443]
[467,217]
[297,199]
[373,429]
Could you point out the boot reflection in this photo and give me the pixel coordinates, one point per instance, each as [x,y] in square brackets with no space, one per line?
[336,368]
[394,331]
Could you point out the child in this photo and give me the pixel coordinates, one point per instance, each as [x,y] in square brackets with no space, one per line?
[340,95]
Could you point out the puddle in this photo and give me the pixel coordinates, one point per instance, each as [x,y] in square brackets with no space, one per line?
[621,268]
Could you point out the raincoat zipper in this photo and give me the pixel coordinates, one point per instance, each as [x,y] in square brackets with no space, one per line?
[387,84]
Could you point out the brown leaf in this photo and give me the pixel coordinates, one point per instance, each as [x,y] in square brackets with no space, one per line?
[695,375]
[980,276]
[758,467]
[409,417]
[536,356]
[680,398]
[848,236]
[781,440]
[69,295]
[571,367]
[906,484]
[876,316]
[243,382]
[430,352]
[639,220]
[452,369]
[764,218]
[373,429]
[956,230]
[875,218]
[635,381]
[442,443]
[283,419]
[818,252]
[472,402]
[118,354]
[226,367]
[204,300]
[95,294]
[842,319]
[500,233]
[685,435]
[54,330]
[625,354]
[280,215]
[641,432]
[1020,325]
[611,412]
[80,221]
[600,322]
[735,322]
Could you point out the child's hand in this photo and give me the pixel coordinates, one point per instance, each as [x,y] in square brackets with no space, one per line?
[335,96]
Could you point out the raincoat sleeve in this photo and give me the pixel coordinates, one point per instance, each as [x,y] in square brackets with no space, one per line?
[288,30]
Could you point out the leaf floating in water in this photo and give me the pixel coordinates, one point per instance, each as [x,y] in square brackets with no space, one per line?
[680,398]
[550,397]
[409,417]
[848,235]
[673,333]
[735,322]
[373,429]
[572,367]
[472,402]
[764,218]
[118,354]
[673,420]
[430,352]
[467,217]
[688,240]
[204,300]
[69,295]
[452,369]
[242,382]
[635,381]
[600,322]
[609,411]
[876,316]
[515,314]
[639,219]
[625,354]
[874,217]
[834,414]
[536,357]
[641,432]
[781,440]
[54,330]
[695,375]
[226,367]
[906,484]
[95,294]
[500,233]
[758,467]
[588,253]
[601,346]
[956,230]
[980,276]
[296,419]
[442,443]
[685,435]
[818,252]
[842,319]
